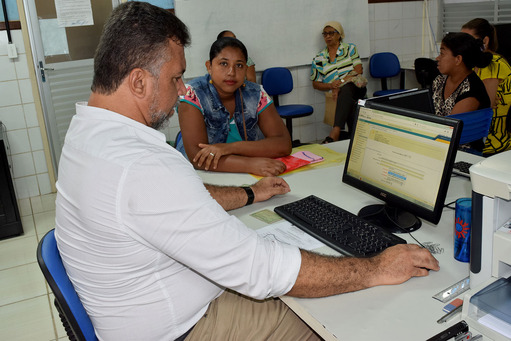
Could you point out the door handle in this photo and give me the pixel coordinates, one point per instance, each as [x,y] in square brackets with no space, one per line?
[42,69]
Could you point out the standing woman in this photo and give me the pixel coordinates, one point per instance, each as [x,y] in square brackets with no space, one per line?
[333,70]
[229,124]
[458,89]
[497,81]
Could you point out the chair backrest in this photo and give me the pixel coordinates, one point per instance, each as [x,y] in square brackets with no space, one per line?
[277,81]
[178,139]
[425,71]
[73,315]
[384,64]
[476,124]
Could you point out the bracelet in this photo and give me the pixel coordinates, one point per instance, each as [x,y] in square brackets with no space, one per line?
[250,195]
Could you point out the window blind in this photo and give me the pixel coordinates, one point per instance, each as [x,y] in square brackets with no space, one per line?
[457,13]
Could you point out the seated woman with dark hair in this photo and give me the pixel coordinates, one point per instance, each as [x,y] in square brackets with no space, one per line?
[251,73]
[497,81]
[229,124]
[458,89]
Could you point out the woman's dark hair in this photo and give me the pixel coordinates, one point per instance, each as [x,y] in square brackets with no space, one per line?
[482,29]
[224,42]
[221,34]
[470,49]
[136,35]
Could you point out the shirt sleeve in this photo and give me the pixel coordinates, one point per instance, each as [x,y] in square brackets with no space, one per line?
[498,68]
[191,98]
[264,101]
[315,74]
[355,57]
[476,90]
[172,211]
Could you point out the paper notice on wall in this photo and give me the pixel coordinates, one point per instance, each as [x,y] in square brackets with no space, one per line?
[54,37]
[165,4]
[74,13]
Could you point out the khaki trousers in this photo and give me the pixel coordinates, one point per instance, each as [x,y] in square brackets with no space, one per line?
[235,317]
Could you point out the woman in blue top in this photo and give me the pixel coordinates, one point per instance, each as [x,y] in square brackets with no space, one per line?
[251,73]
[229,124]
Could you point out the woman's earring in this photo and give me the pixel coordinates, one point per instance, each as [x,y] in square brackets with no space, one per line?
[210,81]
[244,85]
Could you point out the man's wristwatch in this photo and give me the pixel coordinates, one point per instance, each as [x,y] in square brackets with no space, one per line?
[250,195]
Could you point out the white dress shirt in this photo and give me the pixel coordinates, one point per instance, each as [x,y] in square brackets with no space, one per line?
[145,245]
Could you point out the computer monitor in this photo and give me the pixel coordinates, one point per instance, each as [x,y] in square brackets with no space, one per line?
[414,99]
[405,158]
[504,40]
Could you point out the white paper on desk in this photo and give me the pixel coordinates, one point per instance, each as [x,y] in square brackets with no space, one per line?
[286,232]
[496,324]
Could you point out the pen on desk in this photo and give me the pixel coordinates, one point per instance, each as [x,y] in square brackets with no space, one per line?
[476,337]
[448,316]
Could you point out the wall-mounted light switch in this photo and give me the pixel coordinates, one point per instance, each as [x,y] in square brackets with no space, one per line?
[11,50]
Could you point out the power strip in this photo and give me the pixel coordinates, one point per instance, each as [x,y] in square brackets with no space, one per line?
[453,290]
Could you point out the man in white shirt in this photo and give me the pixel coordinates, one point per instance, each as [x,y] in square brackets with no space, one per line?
[149,248]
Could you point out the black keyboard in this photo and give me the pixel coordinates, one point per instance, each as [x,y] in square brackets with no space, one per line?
[343,231]
[461,168]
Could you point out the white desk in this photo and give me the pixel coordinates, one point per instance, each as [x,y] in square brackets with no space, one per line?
[400,312]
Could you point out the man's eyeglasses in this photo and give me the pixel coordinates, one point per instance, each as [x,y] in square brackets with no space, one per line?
[329,33]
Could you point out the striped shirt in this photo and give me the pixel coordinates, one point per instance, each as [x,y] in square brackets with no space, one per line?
[347,57]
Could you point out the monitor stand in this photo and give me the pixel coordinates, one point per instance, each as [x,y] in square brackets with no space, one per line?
[392,219]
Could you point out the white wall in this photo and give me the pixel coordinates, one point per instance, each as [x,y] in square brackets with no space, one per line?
[393,27]
[18,114]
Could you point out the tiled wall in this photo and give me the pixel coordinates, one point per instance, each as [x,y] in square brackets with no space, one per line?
[393,27]
[18,114]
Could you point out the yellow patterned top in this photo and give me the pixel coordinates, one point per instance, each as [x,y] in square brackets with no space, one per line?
[499,139]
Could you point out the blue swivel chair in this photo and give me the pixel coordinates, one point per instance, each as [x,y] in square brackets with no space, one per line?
[385,65]
[476,124]
[178,139]
[76,322]
[278,81]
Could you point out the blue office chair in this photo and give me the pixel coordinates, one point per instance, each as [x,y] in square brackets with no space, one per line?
[476,124]
[178,139]
[76,322]
[385,65]
[278,81]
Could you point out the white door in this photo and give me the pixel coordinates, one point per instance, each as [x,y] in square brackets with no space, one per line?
[63,58]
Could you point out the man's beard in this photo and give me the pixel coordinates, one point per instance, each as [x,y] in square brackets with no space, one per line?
[159,118]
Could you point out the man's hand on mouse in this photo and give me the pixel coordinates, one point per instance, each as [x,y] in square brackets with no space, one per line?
[399,263]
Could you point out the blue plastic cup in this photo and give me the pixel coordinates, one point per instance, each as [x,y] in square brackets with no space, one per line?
[462,227]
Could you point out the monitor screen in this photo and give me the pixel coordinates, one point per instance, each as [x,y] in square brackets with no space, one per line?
[415,99]
[404,158]
[504,40]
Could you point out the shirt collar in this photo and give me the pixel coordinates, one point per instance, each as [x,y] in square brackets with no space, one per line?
[83,110]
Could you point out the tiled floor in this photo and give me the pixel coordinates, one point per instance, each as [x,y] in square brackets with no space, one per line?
[26,303]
